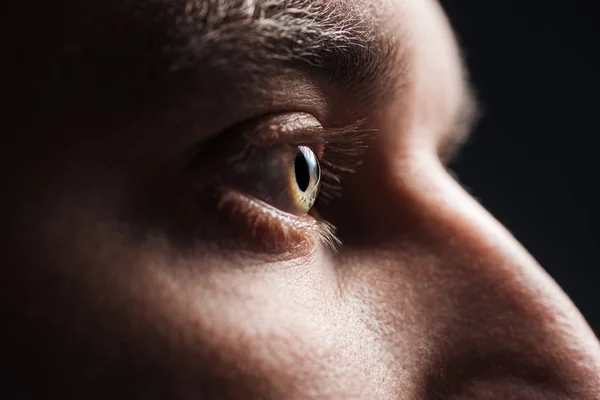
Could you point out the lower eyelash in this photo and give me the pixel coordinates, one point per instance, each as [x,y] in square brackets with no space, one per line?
[273,228]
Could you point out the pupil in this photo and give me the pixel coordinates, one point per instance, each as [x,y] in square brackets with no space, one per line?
[302,172]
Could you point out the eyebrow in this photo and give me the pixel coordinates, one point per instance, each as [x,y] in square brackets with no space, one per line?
[254,38]
[154,45]
[257,37]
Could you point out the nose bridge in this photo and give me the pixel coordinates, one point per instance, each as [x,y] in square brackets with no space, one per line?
[486,308]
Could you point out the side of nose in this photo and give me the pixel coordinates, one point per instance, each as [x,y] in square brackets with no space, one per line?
[481,316]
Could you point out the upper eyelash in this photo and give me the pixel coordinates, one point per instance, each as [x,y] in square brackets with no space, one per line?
[343,150]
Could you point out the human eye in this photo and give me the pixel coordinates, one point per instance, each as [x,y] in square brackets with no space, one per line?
[263,181]
[286,177]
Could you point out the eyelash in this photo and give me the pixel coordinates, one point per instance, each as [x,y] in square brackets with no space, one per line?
[211,173]
[342,155]
[342,149]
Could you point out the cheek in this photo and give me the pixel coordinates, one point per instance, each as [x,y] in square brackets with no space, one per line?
[189,326]
[277,329]
[204,323]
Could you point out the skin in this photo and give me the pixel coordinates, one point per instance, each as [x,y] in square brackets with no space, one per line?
[428,297]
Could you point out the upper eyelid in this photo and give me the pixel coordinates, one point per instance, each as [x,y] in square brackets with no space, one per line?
[301,129]
[284,128]
[339,149]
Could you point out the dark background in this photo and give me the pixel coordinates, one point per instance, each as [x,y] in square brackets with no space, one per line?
[533,161]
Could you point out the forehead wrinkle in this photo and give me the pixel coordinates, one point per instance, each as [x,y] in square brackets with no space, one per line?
[256,36]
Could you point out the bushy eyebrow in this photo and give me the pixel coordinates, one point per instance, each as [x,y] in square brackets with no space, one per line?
[254,37]
[121,57]
[248,39]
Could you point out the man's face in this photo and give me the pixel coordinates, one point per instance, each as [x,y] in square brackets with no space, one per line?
[169,224]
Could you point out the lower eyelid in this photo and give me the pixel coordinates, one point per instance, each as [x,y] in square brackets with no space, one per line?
[269,228]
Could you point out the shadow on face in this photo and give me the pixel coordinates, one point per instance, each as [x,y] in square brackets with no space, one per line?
[170,226]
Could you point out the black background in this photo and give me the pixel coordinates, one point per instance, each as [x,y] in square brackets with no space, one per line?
[533,161]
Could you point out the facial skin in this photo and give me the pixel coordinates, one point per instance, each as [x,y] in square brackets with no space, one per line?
[138,267]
